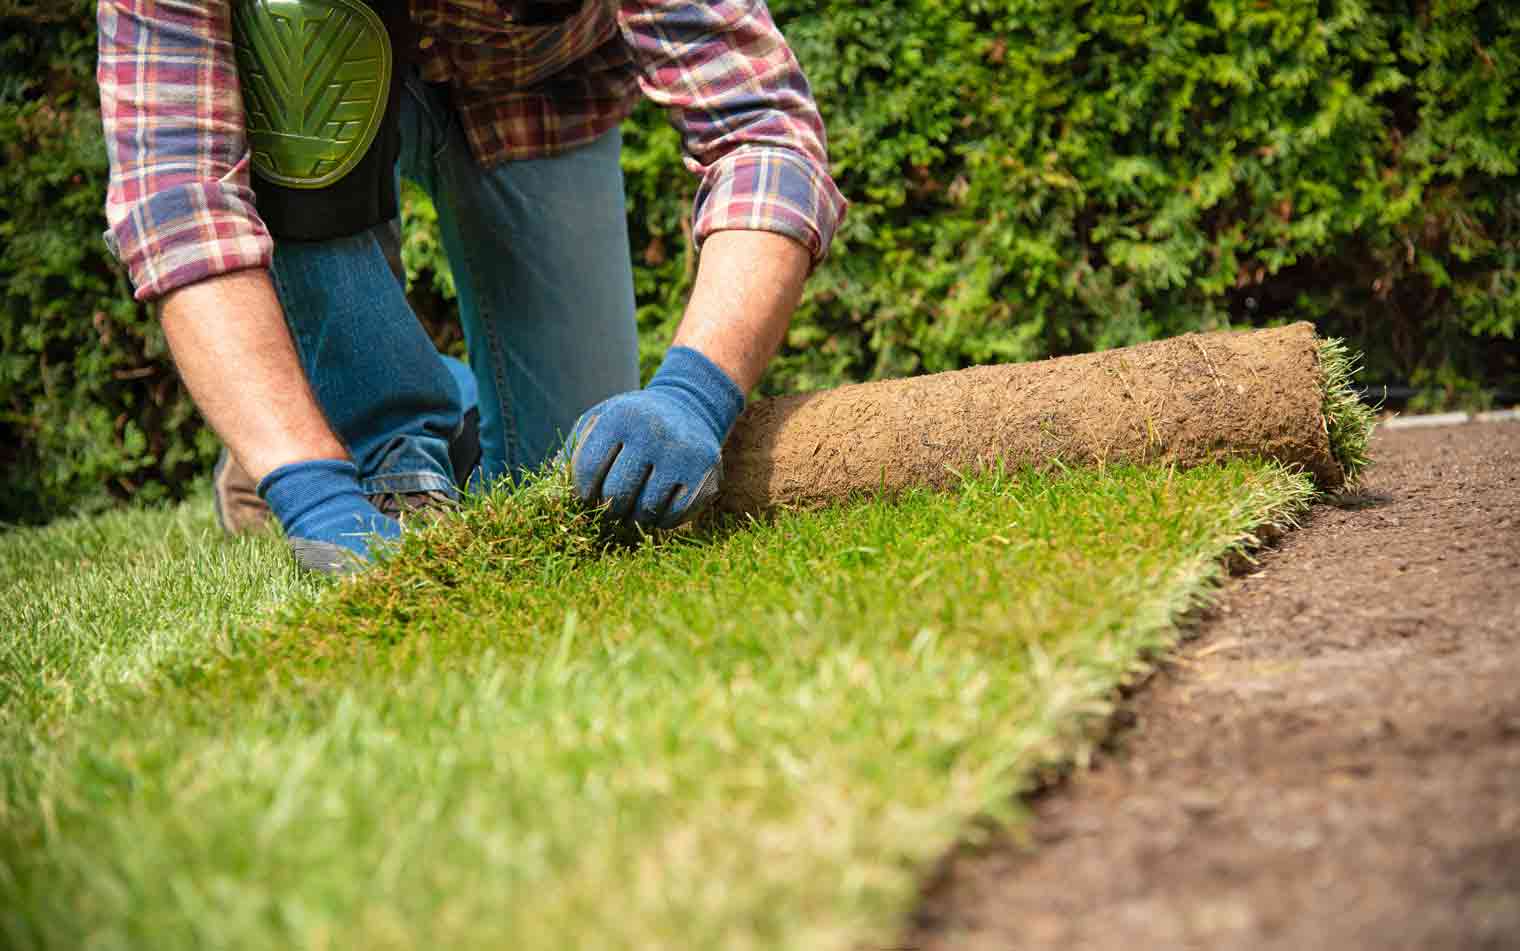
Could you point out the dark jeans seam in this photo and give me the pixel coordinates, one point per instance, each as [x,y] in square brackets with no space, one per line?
[503,394]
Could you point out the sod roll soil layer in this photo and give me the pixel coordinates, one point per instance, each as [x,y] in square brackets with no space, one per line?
[1189,400]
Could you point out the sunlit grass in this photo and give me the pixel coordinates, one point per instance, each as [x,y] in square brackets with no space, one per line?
[518,734]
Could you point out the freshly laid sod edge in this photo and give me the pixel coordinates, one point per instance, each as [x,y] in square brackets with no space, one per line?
[512,735]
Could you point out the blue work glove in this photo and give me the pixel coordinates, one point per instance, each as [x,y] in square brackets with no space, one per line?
[655,454]
[328,522]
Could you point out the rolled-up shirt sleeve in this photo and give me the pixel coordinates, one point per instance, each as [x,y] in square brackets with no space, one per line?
[750,127]
[179,204]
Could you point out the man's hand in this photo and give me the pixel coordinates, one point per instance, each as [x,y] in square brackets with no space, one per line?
[329,524]
[656,454]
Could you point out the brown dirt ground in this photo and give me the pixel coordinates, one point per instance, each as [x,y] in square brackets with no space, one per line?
[1333,763]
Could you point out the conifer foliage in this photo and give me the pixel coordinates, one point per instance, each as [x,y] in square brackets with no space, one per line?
[1026,177]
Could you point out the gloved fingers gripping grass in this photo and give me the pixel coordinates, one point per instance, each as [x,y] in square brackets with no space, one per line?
[331,526]
[655,455]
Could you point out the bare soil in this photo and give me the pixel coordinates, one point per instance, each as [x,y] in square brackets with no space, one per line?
[1187,400]
[1333,763]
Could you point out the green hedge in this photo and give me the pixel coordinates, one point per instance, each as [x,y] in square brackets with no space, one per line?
[1026,178]
[90,410]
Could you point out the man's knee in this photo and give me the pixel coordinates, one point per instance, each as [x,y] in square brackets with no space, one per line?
[323,165]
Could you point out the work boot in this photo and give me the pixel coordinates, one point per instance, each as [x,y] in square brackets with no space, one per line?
[239,510]
[426,506]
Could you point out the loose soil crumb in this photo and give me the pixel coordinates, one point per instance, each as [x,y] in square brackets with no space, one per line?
[1333,763]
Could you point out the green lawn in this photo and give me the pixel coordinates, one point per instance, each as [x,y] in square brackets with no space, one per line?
[510,735]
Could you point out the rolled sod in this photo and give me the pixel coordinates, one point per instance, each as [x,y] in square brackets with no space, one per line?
[1278,394]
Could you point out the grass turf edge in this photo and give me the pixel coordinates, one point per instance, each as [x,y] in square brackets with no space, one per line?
[1348,420]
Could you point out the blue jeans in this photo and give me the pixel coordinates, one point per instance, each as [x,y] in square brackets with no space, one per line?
[539,251]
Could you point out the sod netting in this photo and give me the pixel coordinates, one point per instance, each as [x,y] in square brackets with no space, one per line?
[514,735]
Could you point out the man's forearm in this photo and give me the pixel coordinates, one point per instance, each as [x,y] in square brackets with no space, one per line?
[234,352]
[748,285]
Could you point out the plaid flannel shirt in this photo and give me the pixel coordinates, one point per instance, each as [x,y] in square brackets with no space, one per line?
[181,209]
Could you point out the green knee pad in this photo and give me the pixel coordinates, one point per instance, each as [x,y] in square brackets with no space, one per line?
[319,89]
